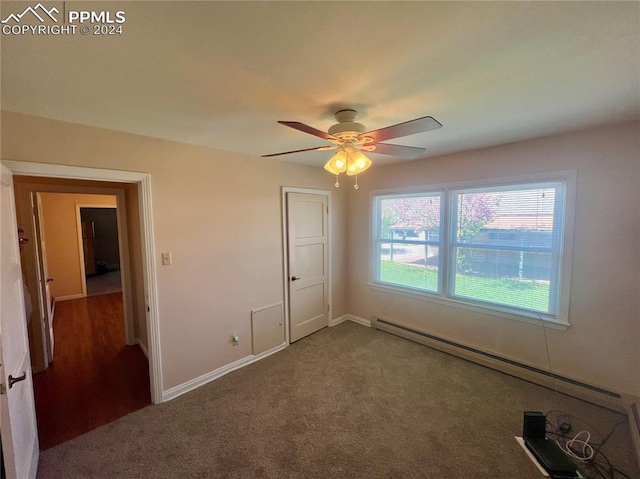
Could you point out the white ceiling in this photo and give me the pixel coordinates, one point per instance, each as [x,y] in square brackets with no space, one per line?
[221,74]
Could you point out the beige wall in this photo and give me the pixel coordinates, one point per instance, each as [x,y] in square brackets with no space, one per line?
[218,213]
[61,238]
[602,346]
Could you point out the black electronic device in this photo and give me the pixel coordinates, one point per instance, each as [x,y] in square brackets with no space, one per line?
[534,425]
[548,453]
[552,458]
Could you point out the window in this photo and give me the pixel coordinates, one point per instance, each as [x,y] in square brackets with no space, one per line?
[408,241]
[499,247]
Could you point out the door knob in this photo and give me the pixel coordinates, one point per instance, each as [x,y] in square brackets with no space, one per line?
[13,380]
[294,278]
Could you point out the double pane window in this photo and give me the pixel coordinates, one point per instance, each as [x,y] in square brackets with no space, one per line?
[498,247]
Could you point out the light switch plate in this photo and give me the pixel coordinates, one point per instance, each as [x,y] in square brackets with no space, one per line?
[166,259]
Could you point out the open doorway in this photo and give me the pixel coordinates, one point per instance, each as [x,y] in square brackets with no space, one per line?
[135,190]
[98,370]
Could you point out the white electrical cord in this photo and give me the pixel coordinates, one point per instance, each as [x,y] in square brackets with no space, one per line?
[587,450]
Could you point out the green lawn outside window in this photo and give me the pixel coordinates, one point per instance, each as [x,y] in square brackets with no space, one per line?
[529,294]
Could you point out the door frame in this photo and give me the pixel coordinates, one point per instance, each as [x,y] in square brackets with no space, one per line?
[43,284]
[143,182]
[28,196]
[285,251]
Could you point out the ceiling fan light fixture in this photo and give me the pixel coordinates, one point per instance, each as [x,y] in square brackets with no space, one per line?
[330,169]
[338,163]
[358,163]
[351,138]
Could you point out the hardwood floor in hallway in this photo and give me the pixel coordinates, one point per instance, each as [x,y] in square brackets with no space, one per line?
[95,377]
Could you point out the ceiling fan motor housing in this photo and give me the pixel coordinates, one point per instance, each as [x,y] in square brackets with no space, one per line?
[346,126]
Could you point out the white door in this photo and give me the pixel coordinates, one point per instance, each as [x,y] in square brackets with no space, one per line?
[17,411]
[44,291]
[307,251]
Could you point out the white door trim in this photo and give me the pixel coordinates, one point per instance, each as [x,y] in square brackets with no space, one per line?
[285,250]
[44,293]
[143,180]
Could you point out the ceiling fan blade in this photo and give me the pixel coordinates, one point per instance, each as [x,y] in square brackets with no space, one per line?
[397,150]
[308,129]
[295,151]
[407,128]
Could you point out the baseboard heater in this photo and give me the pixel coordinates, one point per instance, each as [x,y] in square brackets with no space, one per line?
[636,416]
[498,358]
[635,428]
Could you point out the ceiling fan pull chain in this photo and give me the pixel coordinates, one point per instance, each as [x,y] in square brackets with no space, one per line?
[337,183]
[355,187]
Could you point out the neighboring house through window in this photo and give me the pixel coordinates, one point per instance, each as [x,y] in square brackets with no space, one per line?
[501,244]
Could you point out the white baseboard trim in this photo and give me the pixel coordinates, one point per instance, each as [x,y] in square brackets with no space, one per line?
[69,297]
[195,383]
[335,321]
[143,347]
[359,320]
[192,384]
[349,317]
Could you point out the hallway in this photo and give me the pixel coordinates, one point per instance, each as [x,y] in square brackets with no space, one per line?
[95,377]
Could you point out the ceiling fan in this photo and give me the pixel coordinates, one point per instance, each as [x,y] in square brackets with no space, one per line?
[351,138]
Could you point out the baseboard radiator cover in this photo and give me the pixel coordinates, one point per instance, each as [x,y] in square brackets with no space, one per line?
[565,385]
[634,424]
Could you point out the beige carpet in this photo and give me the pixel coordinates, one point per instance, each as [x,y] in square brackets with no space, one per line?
[346,402]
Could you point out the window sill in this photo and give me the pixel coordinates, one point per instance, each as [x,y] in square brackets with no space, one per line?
[432,298]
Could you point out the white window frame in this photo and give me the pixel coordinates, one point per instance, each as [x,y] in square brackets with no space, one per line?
[377,242]
[558,321]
